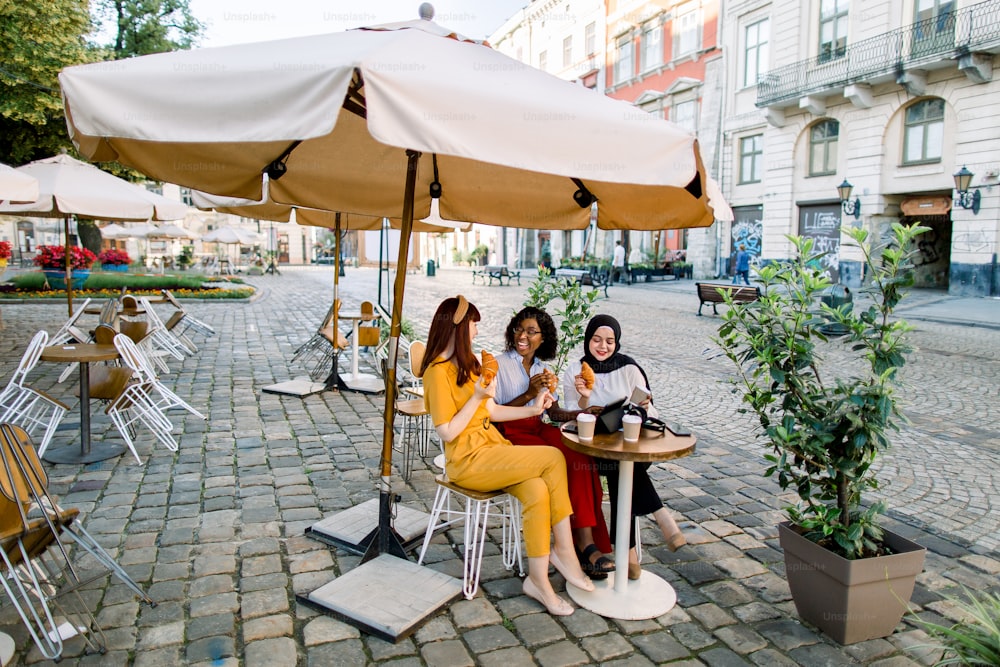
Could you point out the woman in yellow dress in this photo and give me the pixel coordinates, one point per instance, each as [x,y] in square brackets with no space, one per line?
[477,457]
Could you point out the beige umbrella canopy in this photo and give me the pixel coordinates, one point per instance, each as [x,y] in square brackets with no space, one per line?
[69,187]
[379,121]
[16,187]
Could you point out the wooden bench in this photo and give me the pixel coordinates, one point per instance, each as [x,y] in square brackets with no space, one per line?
[710,293]
[599,280]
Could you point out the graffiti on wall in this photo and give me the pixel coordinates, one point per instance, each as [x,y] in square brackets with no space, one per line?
[747,230]
[822,225]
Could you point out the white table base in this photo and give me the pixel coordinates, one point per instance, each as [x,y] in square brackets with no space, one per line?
[362,382]
[618,597]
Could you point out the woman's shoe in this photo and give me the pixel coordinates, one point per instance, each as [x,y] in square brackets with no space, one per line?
[571,578]
[595,569]
[634,571]
[559,606]
[676,541]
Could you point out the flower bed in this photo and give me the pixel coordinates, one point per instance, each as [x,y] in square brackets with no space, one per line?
[54,257]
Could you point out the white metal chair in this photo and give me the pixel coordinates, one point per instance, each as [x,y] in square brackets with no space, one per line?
[162,338]
[143,401]
[416,429]
[181,322]
[477,508]
[69,332]
[317,354]
[27,407]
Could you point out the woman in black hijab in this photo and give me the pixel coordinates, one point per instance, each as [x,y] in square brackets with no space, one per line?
[616,376]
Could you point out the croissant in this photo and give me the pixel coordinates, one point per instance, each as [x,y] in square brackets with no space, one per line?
[551,380]
[587,373]
[490,368]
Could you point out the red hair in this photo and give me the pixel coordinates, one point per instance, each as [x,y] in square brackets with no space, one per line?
[443,328]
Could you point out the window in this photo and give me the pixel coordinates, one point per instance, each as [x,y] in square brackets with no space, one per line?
[756,51]
[155,188]
[935,23]
[652,45]
[685,114]
[832,29]
[543,61]
[751,156]
[687,30]
[186,196]
[623,62]
[823,148]
[568,51]
[590,39]
[924,133]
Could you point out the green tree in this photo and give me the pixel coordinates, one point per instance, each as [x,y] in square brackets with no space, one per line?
[37,40]
[141,27]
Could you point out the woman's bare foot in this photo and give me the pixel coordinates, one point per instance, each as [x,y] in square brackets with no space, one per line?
[552,602]
[571,571]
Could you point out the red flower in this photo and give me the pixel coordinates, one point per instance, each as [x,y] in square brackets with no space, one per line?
[54,257]
[4,249]
[114,257]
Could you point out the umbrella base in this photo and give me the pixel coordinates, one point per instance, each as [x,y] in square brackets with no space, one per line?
[387,597]
[364,382]
[347,530]
[300,388]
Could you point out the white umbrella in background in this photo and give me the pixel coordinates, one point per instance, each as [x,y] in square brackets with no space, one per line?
[232,235]
[115,231]
[69,187]
[379,121]
[16,187]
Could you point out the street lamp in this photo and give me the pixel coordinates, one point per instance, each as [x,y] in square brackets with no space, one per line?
[967,200]
[850,207]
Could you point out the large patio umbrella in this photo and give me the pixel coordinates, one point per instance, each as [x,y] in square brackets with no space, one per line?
[69,187]
[379,121]
[16,187]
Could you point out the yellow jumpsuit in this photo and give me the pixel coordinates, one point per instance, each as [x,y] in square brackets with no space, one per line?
[483,460]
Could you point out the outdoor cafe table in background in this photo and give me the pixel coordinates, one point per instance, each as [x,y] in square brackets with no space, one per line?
[355,380]
[618,596]
[83,353]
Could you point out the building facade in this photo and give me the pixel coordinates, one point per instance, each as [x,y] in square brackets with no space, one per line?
[894,97]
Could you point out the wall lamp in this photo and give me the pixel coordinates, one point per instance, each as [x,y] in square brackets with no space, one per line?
[967,200]
[850,207]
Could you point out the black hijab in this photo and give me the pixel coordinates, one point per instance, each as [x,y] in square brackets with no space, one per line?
[616,360]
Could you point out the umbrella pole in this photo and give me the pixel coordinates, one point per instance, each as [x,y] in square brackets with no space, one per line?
[385,539]
[69,268]
[334,379]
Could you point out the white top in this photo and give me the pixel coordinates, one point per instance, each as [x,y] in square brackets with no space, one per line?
[512,380]
[619,258]
[608,387]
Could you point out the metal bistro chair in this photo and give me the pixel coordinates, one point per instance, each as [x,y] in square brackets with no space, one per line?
[416,429]
[28,407]
[317,354]
[181,322]
[476,511]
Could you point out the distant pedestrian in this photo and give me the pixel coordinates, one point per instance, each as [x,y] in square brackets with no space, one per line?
[742,266]
[618,262]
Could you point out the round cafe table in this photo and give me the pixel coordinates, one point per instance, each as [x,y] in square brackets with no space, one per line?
[84,353]
[617,596]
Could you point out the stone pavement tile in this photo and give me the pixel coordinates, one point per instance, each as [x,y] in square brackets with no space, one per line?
[517,656]
[787,634]
[489,638]
[209,626]
[711,616]
[279,625]
[741,639]
[562,653]
[821,655]
[324,630]
[474,613]
[348,653]
[768,657]
[452,653]
[214,604]
[722,657]
[660,647]
[538,630]
[209,649]
[276,652]
[692,636]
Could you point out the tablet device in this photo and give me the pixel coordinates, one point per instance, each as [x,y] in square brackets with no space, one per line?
[677,429]
[610,418]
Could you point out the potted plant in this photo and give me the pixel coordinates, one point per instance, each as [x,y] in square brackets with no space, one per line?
[479,254]
[52,260]
[826,406]
[114,260]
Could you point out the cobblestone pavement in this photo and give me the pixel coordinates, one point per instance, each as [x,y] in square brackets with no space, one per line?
[215,532]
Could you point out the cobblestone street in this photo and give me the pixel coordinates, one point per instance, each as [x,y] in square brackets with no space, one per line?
[215,532]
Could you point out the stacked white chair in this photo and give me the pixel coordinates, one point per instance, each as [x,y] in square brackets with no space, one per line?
[70,332]
[30,408]
[181,322]
[162,338]
[144,401]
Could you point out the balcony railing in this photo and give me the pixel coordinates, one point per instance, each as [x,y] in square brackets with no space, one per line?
[947,36]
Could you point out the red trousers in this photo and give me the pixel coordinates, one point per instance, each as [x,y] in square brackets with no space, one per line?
[585,493]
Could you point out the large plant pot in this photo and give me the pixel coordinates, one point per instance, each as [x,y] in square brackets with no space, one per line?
[850,600]
[57,278]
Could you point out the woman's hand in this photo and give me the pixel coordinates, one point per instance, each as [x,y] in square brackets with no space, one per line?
[545,400]
[481,393]
[536,384]
[581,388]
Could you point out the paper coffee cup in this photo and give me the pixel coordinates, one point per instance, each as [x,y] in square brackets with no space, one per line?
[631,427]
[585,423]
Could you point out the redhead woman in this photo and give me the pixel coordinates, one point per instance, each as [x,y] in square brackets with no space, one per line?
[531,338]
[615,376]
[479,458]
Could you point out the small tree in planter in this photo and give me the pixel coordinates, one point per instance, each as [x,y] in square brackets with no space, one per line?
[826,423]
[578,305]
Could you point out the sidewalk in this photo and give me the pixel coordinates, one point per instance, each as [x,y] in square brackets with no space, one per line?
[215,532]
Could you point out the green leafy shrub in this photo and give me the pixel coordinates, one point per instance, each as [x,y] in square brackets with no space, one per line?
[578,306]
